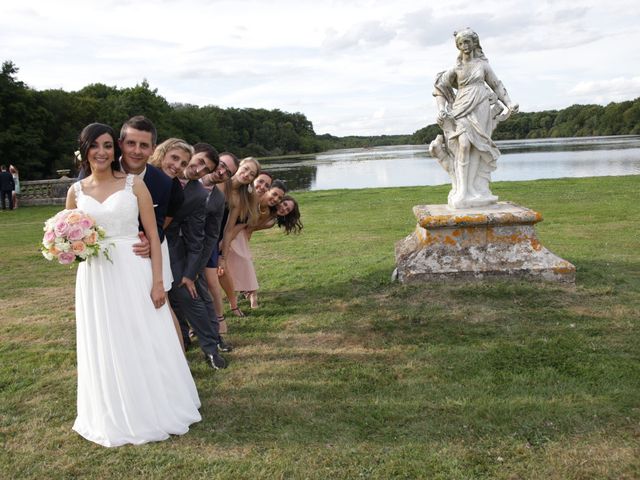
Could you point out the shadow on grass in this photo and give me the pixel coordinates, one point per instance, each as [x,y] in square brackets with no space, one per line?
[375,360]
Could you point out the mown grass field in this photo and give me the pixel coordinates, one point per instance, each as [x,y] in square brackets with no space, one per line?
[343,374]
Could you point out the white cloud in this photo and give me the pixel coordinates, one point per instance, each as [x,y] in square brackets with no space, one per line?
[358,67]
[604,91]
[366,35]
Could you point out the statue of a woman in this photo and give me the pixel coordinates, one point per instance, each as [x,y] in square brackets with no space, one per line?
[471,101]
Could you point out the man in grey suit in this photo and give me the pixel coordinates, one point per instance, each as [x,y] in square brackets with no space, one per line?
[214,216]
[186,239]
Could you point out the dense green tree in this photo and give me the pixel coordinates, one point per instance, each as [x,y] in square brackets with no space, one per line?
[38,130]
[22,125]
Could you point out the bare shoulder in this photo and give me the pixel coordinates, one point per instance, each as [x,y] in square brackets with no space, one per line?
[70,201]
[139,186]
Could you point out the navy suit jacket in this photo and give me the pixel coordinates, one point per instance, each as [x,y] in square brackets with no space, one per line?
[159,185]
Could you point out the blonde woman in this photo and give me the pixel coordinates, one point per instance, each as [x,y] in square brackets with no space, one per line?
[172,156]
[243,209]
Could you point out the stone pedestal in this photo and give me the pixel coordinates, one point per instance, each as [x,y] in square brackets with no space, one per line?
[495,241]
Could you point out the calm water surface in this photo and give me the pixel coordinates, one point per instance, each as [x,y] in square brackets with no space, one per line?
[411,165]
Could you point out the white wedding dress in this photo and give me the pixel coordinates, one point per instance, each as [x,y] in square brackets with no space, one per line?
[134,383]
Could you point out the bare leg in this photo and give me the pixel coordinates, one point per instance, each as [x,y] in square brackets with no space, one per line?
[226,282]
[253,298]
[216,295]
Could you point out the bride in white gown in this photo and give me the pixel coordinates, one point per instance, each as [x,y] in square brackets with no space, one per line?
[134,384]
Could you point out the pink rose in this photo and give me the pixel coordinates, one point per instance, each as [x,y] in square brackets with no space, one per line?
[75,232]
[78,247]
[74,217]
[49,236]
[86,222]
[61,228]
[62,215]
[65,258]
[91,238]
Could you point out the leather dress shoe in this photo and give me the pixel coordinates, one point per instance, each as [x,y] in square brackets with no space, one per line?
[224,346]
[215,360]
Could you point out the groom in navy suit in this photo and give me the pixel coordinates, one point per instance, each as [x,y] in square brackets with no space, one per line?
[138,137]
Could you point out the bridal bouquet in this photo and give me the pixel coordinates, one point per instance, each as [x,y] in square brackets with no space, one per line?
[72,235]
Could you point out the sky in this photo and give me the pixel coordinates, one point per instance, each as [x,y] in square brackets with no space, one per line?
[362,67]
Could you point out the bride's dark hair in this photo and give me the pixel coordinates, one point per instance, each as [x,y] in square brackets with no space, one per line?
[89,135]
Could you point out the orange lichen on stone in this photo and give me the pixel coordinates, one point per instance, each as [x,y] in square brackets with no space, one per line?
[564,268]
[471,219]
[535,244]
[425,237]
[456,233]
[434,221]
[450,241]
[514,238]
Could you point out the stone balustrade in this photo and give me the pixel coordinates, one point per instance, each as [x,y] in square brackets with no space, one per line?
[44,192]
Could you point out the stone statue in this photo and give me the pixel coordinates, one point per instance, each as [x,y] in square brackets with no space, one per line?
[471,101]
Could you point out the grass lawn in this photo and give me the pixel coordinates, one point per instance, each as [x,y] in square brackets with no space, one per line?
[343,374]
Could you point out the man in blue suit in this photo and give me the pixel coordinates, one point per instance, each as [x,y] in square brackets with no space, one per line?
[138,137]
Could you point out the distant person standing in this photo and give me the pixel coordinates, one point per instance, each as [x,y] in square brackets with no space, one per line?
[7,186]
[16,180]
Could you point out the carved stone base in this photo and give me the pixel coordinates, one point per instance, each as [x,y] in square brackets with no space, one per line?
[496,241]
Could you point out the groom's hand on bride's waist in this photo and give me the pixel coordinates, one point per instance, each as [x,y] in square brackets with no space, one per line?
[143,248]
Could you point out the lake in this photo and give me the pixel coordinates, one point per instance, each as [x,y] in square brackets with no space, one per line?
[411,165]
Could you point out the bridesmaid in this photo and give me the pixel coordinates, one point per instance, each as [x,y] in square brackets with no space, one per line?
[172,156]
[288,215]
[239,258]
[242,210]
[285,214]
[262,183]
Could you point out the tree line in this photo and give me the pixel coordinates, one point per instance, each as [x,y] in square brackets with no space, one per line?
[622,118]
[38,129]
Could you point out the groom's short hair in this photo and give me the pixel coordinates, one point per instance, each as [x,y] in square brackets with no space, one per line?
[142,123]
